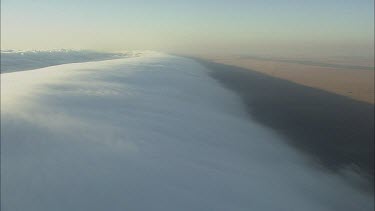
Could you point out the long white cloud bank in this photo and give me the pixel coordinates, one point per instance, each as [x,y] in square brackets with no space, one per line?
[148,133]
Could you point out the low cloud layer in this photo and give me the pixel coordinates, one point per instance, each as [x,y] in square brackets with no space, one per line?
[13,60]
[154,132]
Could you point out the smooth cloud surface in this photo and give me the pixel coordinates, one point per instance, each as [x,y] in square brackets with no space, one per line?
[148,133]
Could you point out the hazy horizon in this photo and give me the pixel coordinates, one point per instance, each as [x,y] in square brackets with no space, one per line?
[279,27]
[187,105]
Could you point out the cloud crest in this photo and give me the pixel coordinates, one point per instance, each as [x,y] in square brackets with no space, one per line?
[153,132]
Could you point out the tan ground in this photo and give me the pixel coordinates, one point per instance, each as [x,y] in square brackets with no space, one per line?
[353,83]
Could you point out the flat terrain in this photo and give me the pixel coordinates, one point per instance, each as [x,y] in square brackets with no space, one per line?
[351,78]
[336,130]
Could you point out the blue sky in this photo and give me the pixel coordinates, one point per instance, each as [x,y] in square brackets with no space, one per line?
[244,26]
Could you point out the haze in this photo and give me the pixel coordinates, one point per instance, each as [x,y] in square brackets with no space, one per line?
[288,28]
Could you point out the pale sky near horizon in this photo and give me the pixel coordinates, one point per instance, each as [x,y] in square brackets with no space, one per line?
[278,27]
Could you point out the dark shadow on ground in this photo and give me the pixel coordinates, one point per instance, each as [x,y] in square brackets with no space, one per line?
[336,130]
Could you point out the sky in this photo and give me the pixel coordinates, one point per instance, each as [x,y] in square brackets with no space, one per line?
[277,27]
